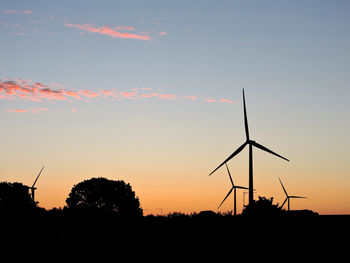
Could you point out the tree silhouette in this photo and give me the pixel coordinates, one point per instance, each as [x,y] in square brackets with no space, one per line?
[262,207]
[105,195]
[15,196]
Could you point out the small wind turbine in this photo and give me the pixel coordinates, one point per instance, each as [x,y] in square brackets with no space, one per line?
[32,188]
[234,187]
[240,148]
[288,196]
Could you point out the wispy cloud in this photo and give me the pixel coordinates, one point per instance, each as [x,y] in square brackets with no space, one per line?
[16,110]
[110,31]
[227,101]
[16,11]
[129,95]
[28,90]
[168,96]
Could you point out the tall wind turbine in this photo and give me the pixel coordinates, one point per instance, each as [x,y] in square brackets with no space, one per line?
[251,144]
[234,187]
[288,196]
[32,188]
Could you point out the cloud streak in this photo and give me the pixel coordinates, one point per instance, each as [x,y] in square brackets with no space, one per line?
[28,90]
[109,31]
[16,110]
[15,11]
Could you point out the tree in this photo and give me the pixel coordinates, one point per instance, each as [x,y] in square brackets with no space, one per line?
[15,196]
[105,195]
[262,207]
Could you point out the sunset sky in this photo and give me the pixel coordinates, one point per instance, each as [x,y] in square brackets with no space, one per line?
[150,92]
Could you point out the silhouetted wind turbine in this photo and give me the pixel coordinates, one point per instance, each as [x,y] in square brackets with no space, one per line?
[288,196]
[234,187]
[251,144]
[32,188]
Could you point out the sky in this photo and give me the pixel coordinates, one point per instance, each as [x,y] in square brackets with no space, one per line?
[150,92]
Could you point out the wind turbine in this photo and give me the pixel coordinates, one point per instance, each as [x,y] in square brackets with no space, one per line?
[240,148]
[288,196]
[32,188]
[234,187]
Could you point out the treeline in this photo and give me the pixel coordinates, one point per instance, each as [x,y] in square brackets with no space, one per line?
[104,218]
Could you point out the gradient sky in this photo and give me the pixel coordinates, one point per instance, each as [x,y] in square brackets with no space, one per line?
[150,92]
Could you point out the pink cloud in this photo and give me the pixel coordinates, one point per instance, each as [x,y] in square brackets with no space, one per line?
[150,95]
[191,97]
[227,101]
[145,96]
[129,95]
[72,94]
[129,28]
[106,93]
[167,96]
[34,92]
[16,110]
[32,110]
[10,89]
[35,99]
[163,33]
[89,94]
[38,84]
[106,30]
[28,90]
[51,94]
[56,84]
[27,12]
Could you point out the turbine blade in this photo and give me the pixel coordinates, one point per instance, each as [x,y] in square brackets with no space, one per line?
[284,202]
[242,187]
[294,196]
[37,177]
[245,118]
[231,156]
[266,150]
[283,187]
[226,197]
[229,174]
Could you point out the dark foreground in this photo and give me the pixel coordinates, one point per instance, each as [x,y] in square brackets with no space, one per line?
[176,237]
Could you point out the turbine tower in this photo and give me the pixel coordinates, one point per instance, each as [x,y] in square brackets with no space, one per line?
[234,187]
[32,188]
[288,196]
[251,144]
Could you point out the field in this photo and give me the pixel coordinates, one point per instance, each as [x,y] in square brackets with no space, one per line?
[177,237]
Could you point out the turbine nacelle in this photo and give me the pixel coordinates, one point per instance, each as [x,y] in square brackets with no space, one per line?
[239,149]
